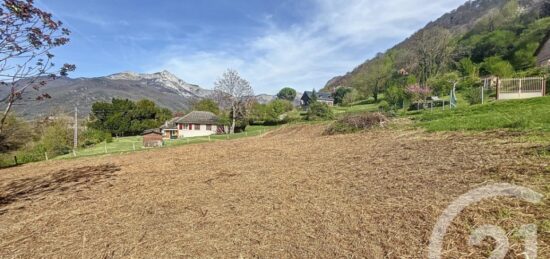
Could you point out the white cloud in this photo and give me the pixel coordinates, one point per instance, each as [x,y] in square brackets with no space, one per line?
[339,36]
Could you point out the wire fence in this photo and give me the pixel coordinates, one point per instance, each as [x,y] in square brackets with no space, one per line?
[125,145]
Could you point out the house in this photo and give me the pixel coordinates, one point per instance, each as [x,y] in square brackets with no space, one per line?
[321,97]
[543,53]
[199,123]
[170,129]
[152,138]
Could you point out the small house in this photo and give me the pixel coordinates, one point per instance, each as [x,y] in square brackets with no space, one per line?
[170,129]
[322,97]
[199,123]
[543,53]
[152,138]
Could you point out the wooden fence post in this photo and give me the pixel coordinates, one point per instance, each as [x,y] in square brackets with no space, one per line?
[46,155]
[15,159]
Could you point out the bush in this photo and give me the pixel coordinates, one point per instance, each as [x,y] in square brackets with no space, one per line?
[55,138]
[355,123]
[319,111]
[384,106]
[473,95]
[108,137]
[93,136]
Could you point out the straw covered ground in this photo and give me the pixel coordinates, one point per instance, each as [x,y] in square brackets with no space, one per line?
[290,193]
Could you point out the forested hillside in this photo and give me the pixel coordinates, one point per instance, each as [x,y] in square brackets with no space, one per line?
[483,37]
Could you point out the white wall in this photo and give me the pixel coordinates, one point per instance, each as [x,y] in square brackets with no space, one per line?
[186,133]
[509,96]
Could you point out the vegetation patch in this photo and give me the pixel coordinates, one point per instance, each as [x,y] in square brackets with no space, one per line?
[521,115]
[355,123]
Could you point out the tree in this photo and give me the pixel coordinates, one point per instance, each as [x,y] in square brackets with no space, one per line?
[378,74]
[207,105]
[27,35]
[497,66]
[56,137]
[350,97]
[339,94]
[394,95]
[15,135]
[433,51]
[125,117]
[443,83]
[237,93]
[314,96]
[287,93]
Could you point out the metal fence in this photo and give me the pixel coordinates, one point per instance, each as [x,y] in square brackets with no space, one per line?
[519,88]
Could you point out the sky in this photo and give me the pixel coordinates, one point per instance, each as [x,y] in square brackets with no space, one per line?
[271,43]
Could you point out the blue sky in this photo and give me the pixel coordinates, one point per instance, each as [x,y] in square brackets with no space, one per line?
[273,44]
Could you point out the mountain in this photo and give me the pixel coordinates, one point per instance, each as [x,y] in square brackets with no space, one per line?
[164,88]
[458,22]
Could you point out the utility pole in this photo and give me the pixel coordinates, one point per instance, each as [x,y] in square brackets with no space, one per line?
[75,139]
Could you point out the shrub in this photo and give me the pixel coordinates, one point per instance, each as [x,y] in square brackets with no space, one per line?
[319,111]
[473,95]
[56,138]
[355,123]
[384,106]
[93,136]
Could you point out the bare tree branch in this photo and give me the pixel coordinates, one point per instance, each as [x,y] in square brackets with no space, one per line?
[27,34]
[235,93]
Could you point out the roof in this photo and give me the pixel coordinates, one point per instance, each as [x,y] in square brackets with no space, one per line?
[151,131]
[171,124]
[199,117]
[320,95]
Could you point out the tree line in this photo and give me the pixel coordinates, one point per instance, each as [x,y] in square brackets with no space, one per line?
[502,44]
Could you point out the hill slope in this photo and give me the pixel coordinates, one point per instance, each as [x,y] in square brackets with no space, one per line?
[458,22]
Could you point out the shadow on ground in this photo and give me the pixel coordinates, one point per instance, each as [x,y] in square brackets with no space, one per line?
[58,182]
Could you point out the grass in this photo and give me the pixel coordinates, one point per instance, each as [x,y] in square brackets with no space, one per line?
[368,105]
[521,115]
[134,143]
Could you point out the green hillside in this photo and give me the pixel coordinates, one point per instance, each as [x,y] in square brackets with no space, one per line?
[479,39]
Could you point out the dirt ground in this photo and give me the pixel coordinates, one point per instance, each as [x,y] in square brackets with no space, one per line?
[290,193]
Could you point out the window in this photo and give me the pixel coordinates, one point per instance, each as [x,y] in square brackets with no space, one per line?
[197,127]
[180,126]
[209,127]
[190,126]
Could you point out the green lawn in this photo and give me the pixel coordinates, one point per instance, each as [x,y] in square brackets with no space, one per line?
[368,105]
[527,114]
[132,144]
